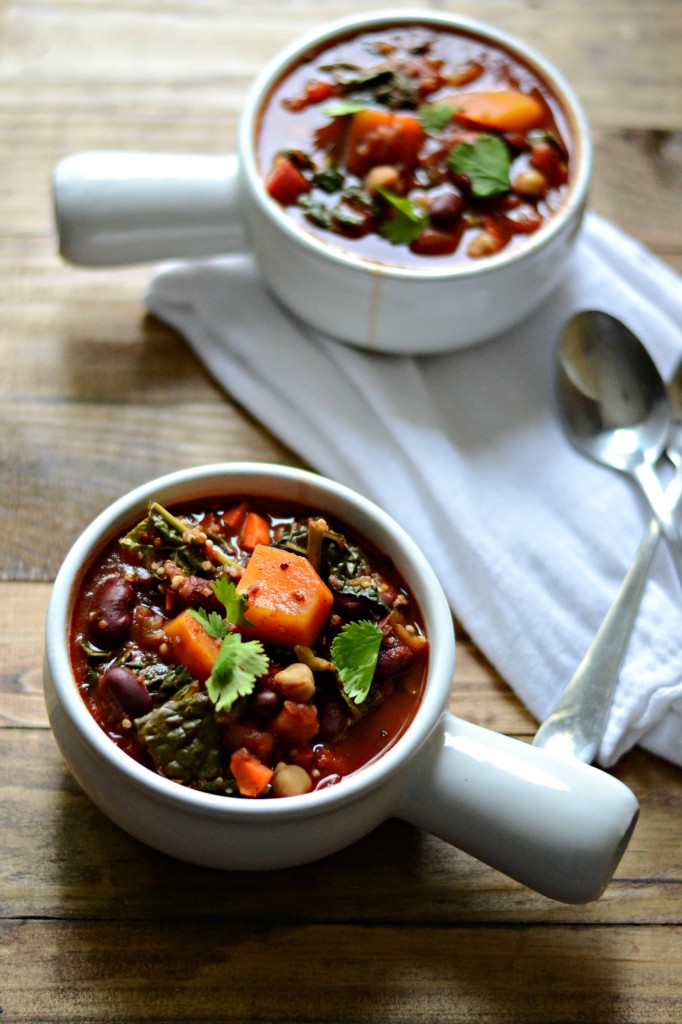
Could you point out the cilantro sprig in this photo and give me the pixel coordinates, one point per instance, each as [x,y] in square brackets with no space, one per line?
[235,671]
[435,117]
[407,221]
[342,108]
[486,162]
[355,651]
[239,663]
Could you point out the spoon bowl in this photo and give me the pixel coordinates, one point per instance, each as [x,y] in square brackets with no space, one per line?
[612,400]
[614,407]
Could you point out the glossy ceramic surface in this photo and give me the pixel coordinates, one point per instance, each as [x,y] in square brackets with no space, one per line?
[118,208]
[557,826]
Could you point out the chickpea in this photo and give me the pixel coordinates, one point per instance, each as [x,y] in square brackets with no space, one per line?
[291,780]
[382,176]
[482,244]
[295,682]
[530,182]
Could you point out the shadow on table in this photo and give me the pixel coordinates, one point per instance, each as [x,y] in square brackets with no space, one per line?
[397,927]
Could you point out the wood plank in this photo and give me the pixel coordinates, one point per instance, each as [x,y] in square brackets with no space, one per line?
[79,453]
[60,857]
[197,971]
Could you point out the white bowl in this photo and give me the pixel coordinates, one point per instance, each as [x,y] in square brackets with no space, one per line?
[114,208]
[559,827]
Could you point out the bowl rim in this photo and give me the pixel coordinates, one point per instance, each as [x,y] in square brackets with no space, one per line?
[561,221]
[305,485]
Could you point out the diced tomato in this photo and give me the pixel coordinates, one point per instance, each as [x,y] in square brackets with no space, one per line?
[524,220]
[545,157]
[314,92]
[296,724]
[285,182]
[500,229]
[245,734]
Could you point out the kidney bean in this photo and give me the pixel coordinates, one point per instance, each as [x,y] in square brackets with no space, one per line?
[446,208]
[437,241]
[110,612]
[126,690]
[333,722]
[264,705]
[394,659]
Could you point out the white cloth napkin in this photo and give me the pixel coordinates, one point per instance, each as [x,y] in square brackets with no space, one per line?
[529,539]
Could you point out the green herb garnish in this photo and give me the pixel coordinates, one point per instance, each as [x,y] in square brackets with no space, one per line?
[355,650]
[330,179]
[486,162]
[235,671]
[434,117]
[342,108]
[406,223]
[239,663]
[234,604]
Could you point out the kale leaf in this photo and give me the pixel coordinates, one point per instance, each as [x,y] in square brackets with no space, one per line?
[182,738]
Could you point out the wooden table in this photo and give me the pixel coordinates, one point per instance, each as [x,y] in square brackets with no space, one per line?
[96,397]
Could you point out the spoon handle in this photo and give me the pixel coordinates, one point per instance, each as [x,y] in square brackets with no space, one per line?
[663,508]
[575,726]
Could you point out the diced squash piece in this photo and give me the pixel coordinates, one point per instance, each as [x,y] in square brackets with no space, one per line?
[505,110]
[287,602]
[255,530]
[191,645]
[383,137]
[250,774]
[234,517]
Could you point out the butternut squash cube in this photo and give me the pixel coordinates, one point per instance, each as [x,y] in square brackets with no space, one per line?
[287,601]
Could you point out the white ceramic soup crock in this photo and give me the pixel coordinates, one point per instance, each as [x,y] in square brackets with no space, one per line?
[116,208]
[559,827]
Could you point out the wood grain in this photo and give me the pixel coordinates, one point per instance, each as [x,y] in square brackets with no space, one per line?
[96,396]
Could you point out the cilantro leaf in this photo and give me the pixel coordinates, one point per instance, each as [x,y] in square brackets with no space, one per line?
[486,162]
[407,222]
[234,603]
[355,650]
[330,179]
[344,107]
[214,623]
[235,671]
[435,117]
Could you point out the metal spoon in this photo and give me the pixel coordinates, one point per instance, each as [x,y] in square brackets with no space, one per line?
[576,724]
[615,408]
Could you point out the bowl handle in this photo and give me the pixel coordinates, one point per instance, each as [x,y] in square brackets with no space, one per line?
[114,208]
[558,826]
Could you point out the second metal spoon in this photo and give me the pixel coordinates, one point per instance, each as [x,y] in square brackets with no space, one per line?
[615,408]
[576,724]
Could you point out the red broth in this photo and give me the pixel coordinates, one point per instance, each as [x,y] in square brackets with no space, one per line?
[413,144]
[248,649]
